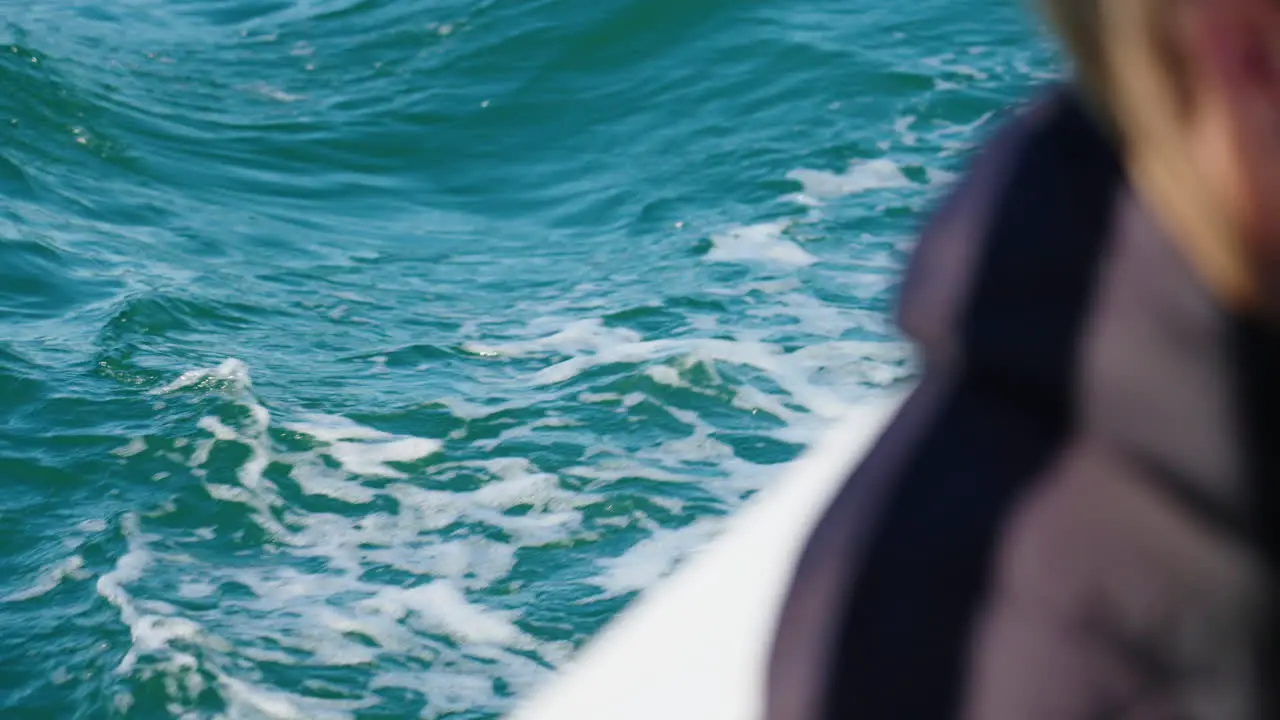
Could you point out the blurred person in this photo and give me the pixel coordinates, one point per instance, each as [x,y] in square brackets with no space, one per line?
[1072,515]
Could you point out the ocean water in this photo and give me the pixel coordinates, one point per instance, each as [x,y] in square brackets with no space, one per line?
[363,358]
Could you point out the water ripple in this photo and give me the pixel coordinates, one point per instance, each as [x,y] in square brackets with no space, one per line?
[362,358]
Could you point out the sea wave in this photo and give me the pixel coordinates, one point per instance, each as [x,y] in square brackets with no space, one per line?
[363,358]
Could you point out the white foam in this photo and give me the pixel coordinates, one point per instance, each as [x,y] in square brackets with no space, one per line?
[361,450]
[721,612]
[902,126]
[554,515]
[441,607]
[128,569]
[585,335]
[519,484]
[947,64]
[623,467]
[136,446]
[254,489]
[450,692]
[427,509]
[250,702]
[473,563]
[370,459]
[70,568]
[694,351]
[769,286]
[653,558]
[758,243]
[598,398]
[92,525]
[230,370]
[465,409]
[296,611]
[229,493]
[196,589]
[155,632]
[860,364]
[347,610]
[526,430]
[820,318]
[316,479]
[753,399]
[332,428]
[217,428]
[328,628]
[940,177]
[879,362]
[389,616]
[968,130]
[861,176]
[665,375]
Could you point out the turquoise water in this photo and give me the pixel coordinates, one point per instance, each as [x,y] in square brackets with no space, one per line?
[362,358]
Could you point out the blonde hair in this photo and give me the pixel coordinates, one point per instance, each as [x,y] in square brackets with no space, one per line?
[1127,64]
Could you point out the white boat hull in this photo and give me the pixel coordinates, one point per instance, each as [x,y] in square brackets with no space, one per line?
[695,646]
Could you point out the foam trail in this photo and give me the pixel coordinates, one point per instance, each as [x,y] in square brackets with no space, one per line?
[249,702]
[888,362]
[861,176]
[136,446]
[582,335]
[231,370]
[371,459]
[441,607]
[364,451]
[652,559]
[111,586]
[406,564]
[71,568]
[295,610]
[758,243]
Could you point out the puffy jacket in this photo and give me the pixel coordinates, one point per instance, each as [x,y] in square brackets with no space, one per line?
[1073,516]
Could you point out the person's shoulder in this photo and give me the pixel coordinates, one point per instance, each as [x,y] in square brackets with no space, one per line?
[1028,172]
[1052,134]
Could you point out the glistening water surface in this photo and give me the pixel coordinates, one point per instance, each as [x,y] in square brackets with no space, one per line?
[362,358]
